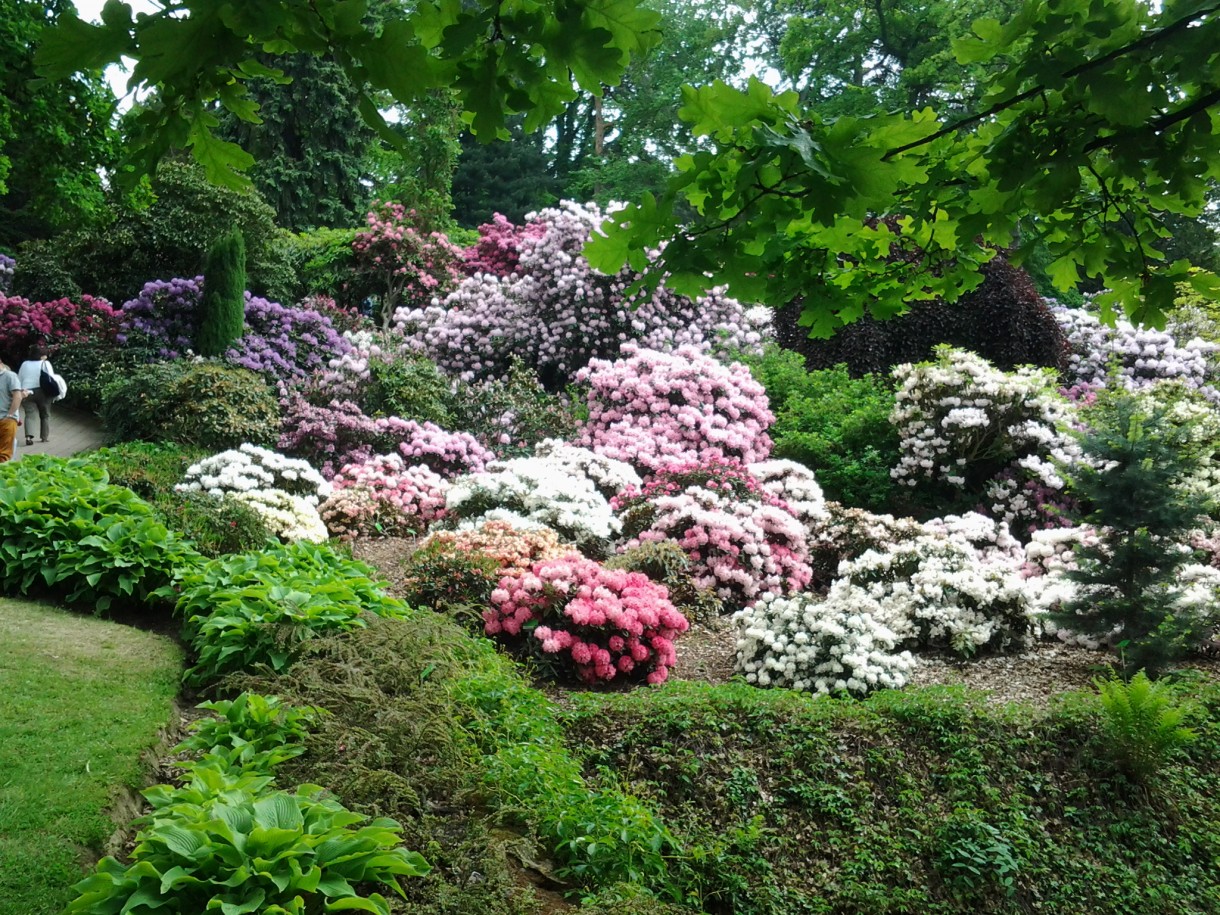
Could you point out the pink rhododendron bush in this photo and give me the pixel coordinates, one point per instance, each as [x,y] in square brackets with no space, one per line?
[384,496]
[23,323]
[338,434]
[601,624]
[742,541]
[650,409]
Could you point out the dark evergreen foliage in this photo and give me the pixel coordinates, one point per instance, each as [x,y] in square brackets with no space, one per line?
[311,151]
[1138,460]
[1004,320]
[222,310]
[53,137]
[509,177]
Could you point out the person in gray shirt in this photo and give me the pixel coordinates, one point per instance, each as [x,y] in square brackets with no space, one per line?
[11,395]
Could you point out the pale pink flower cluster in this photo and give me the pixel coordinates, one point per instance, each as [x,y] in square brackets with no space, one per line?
[510,547]
[447,453]
[604,623]
[741,549]
[649,409]
[404,499]
[551,309]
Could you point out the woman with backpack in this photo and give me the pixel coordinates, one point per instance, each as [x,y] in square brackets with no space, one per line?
[36,397]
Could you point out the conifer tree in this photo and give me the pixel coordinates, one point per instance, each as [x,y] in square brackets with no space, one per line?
[222,310]
[1128,588]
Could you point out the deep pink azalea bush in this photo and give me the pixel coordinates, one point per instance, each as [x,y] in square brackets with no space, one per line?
[602,624]
[407,266]
[22,322]
[383,496]
[742,540]
[498,250]
[650,409]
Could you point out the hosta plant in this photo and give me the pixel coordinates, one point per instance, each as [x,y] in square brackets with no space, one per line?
[71,534]
[225,843]
[652,408]
[258,608]
[251,732]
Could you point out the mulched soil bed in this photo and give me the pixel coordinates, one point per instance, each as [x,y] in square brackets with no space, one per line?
[705,653]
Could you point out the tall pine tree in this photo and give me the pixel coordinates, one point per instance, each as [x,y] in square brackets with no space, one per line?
[1137,461]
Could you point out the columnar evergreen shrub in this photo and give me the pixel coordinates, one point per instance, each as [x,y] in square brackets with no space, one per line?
[222,306]
[1129,587]
[650,408]
[603,624]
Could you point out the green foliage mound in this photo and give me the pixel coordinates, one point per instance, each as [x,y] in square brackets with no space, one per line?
[835,424]
[323,263]
[408,388]
[205,404]
[151,470]
[169,234]
[258,608]
[501,794]
[94,365]
[72,535]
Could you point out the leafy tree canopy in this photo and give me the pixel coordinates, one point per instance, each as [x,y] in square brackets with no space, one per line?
[500,57]
[53,138]
[1102,118]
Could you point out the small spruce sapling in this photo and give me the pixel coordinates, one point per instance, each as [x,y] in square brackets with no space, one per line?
[1136,462]
[222,310]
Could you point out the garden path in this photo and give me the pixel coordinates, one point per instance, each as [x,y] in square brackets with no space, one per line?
[72,431]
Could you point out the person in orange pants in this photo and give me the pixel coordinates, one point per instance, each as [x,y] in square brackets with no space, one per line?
[11,395]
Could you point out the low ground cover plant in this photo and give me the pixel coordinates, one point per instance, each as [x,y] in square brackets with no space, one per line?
[258,608]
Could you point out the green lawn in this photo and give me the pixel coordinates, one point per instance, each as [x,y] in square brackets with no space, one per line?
[80,699]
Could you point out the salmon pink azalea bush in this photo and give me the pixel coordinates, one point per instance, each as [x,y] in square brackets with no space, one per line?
[651,408]
[384,496]
[602,624]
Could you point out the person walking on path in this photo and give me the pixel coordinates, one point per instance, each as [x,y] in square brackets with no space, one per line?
[11,395]
[30,375]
